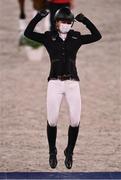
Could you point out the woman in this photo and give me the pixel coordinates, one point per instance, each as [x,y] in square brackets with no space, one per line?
[63,79]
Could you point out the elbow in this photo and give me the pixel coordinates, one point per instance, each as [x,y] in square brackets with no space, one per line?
[99,36]
[26,33]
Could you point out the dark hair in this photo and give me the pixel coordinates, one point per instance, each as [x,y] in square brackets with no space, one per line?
[64,14]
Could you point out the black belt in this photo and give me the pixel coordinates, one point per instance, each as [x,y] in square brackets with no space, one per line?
[63,78]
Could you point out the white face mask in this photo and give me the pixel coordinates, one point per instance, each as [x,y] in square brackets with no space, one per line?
[64,27]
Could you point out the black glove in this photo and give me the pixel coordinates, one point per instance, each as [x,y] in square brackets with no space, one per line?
[80,17]
[43,13]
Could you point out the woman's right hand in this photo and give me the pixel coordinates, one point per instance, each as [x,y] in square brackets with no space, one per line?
[43,13]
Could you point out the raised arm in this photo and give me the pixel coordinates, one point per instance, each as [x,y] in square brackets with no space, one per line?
[95,34]
[29,31]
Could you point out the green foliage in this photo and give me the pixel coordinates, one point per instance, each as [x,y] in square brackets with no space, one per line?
[24,41]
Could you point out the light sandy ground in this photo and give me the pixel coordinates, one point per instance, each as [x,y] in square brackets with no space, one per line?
[23,143]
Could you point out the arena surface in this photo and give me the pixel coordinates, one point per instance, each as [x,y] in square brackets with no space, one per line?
[23,83]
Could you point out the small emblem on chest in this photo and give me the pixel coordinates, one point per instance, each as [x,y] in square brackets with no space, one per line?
[53,38]
[74,37]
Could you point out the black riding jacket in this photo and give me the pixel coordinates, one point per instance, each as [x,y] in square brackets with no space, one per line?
[62,53]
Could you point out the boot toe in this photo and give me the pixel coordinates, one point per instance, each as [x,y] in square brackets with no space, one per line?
[53,161]
[68,160]
[68,163]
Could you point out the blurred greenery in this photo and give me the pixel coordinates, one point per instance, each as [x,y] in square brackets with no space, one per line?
[24,41]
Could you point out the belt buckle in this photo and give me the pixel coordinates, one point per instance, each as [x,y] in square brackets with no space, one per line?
[64,77]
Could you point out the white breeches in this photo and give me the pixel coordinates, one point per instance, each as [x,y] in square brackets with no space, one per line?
[55,92]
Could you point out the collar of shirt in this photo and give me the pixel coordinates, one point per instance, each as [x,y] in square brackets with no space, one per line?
[62,36]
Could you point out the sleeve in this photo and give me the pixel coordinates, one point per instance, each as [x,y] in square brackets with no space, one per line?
[31,34]
[95,34]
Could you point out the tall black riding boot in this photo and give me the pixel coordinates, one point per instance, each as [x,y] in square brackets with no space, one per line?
[72,137]
[51,135]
